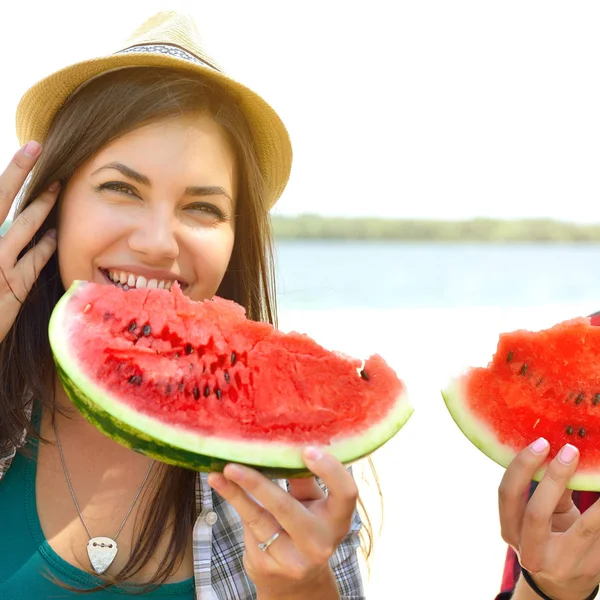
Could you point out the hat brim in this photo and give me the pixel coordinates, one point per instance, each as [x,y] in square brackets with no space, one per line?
[42,101]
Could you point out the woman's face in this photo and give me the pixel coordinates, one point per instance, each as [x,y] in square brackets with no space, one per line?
[154,206]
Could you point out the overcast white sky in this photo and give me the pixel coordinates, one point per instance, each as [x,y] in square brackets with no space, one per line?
[427,108]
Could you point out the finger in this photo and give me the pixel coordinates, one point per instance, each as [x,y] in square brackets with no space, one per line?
[537,521]
[305,489]
[257,518]
[36,258]
[565,503]
[286,510]
[342,492]
[24,227]
[584,534]
[514,486]
[15,174]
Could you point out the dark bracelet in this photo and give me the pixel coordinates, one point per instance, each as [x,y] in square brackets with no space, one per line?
[529,579]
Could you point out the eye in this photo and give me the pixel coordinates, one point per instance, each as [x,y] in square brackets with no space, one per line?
[208,209]
[119,187]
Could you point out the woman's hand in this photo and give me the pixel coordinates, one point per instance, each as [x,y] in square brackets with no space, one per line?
[554,542]
[18,276]
[310,525]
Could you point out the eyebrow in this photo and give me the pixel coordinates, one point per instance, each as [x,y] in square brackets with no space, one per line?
[193,190]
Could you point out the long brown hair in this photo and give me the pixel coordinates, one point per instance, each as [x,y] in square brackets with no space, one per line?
[100,112]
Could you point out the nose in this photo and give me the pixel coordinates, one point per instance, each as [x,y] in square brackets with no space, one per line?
[154,237]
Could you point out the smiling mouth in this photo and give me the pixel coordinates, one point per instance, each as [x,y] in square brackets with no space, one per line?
[127,281]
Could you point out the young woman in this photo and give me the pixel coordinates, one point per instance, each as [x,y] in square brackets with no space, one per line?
[143,168]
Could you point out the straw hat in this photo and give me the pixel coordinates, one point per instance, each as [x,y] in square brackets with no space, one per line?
[168,39]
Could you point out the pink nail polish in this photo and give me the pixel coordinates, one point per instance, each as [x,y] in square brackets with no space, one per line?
[539,445]
[313,453]
[32,149]
[567,454]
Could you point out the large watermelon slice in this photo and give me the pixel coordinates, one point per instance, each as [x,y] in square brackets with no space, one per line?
[538,384]
[197,384]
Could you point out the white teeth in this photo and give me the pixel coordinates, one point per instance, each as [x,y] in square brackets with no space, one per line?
[129,280]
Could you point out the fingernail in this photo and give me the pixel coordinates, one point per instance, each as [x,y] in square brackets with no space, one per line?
[539,445]
[51,233]
[567,454]
[216,481]
[54,186]
[313,453]
[234,470]
[32,149]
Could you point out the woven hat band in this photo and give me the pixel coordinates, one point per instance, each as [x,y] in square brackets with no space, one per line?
[170,50]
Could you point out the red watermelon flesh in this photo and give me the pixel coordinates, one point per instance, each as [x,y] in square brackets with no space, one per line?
[538,384]
[202,370]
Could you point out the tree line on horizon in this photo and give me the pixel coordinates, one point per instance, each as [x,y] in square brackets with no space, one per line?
[421,230]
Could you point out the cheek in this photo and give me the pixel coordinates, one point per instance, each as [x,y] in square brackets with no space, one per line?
[211,255]
[82,233]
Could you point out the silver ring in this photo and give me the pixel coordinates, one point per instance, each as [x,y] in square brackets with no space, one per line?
[265,545]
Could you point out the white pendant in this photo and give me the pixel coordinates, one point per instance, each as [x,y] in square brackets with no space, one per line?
[102,552]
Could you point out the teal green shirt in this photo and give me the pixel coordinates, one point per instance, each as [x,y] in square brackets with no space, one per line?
[26,557]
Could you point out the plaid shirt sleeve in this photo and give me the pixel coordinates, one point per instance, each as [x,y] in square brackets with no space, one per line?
[345,564]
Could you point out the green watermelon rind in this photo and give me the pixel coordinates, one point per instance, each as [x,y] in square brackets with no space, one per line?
[481,435]
[184,447]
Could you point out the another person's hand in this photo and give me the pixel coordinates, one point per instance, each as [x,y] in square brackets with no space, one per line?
[554,542]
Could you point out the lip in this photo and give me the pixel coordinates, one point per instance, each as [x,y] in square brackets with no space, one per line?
[147,273]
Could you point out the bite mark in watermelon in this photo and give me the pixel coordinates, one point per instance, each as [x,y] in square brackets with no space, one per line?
[197,384]
[538,384]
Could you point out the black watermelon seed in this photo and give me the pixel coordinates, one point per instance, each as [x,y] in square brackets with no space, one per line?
[581,432]
[133,379]
[218,393]
[206,391]
[365,375]
[132,327]
[146,330]
[188,349]
[196,392]
[596,399]
[523,369]
[510,356]
[569,430]
[226,376]
[232,359]
[579,399]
